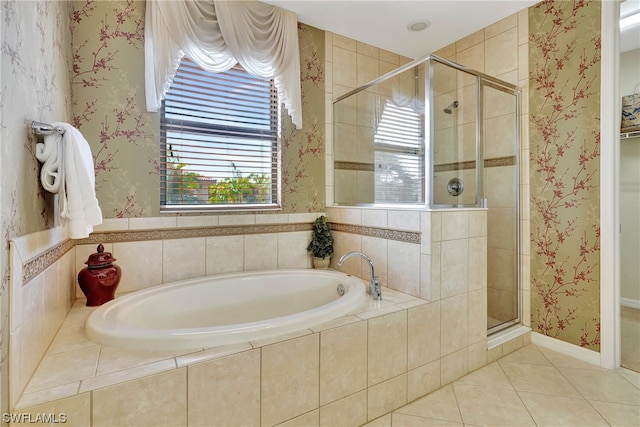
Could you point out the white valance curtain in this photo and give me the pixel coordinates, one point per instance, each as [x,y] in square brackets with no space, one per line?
[217,34]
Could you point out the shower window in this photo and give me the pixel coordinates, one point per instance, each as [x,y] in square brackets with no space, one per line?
[399,156]
[219,136]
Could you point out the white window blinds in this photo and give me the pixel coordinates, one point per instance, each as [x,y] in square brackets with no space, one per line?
[399,156]
[219,136]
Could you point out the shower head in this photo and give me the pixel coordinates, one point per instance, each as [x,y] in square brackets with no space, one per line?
[451,107]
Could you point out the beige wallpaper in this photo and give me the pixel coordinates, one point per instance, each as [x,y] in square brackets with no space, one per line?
[564,64]
[109,109]
[34,85]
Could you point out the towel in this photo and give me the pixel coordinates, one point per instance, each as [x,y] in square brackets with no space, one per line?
[68,170]
[50,155]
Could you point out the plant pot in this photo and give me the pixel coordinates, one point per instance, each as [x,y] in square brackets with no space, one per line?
[321,263]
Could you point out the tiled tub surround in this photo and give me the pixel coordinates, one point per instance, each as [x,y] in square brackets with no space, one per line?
[344,372]
[400,353]
[151,251]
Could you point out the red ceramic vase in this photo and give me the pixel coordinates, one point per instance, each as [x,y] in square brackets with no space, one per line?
[100,278]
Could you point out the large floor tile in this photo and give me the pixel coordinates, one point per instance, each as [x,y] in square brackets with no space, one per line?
[484,406]
[441,405]
[491,375]
[602,386]
[561,411]
[530,354]
[618,414]
[403,420]
[538,379]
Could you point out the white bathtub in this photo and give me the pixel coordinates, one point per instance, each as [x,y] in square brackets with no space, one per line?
[225,309]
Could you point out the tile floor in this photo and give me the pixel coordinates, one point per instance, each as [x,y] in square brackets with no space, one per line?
[630,338]
[532,386]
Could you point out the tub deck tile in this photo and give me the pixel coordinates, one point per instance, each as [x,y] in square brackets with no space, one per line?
[114,366]
[113,378]
[211,353]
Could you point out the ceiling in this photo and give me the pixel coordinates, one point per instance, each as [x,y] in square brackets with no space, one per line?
[383,23]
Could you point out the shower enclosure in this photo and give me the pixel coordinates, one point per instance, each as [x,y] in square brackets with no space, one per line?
[437,135]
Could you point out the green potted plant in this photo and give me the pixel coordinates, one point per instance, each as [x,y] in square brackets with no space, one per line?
[321,245]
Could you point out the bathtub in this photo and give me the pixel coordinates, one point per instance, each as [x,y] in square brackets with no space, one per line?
[225,309]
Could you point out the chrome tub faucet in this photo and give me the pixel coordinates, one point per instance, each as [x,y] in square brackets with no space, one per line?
[374,284]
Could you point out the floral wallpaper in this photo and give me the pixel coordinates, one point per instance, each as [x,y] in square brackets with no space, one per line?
[564,64]
[109,109]
[34,85]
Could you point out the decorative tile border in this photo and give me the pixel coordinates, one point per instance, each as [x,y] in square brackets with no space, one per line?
[353,166]
[187,233]
[488,163]
[383,233]
[40,263]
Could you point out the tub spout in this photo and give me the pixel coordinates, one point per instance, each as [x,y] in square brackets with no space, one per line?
[374,284]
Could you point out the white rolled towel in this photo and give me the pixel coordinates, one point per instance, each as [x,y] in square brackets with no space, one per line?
[50,153]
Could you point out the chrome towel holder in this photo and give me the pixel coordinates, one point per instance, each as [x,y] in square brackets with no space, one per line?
[39,128]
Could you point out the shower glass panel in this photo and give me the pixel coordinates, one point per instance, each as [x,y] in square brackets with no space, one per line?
[435,134]
[379,143]
[455,145]
[501,184]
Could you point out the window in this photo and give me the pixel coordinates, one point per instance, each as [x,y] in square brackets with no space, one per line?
[399,156]
[219,141]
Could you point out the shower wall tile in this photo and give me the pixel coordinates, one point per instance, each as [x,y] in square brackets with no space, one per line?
[197,221]
[290,382]
[497,62]
[183,259]
[477,263]
[310,419]
[367,49]
[224,254]
[344,42]
[387,396]
[387,344]
[349,411]
[351,216]
[77,410]
[345,67]
[236,378]
[470,40]
[454,366]
[152,223]
[342,371]
[374,218]
[477,354]
[436,274]
[478,223]
[477,316]
[377,250]
[427,288]
[454,273]
[32,330]
[423,380]
[455,225]
[260,252]
[454,316]
[367,67]
[403,267]
[404,220]
[501,26]
[292,250]
[423,334]
[390,57]
[134,258]
[158,400]
[237,219]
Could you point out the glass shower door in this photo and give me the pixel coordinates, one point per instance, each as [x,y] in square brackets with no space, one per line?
[500,136]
